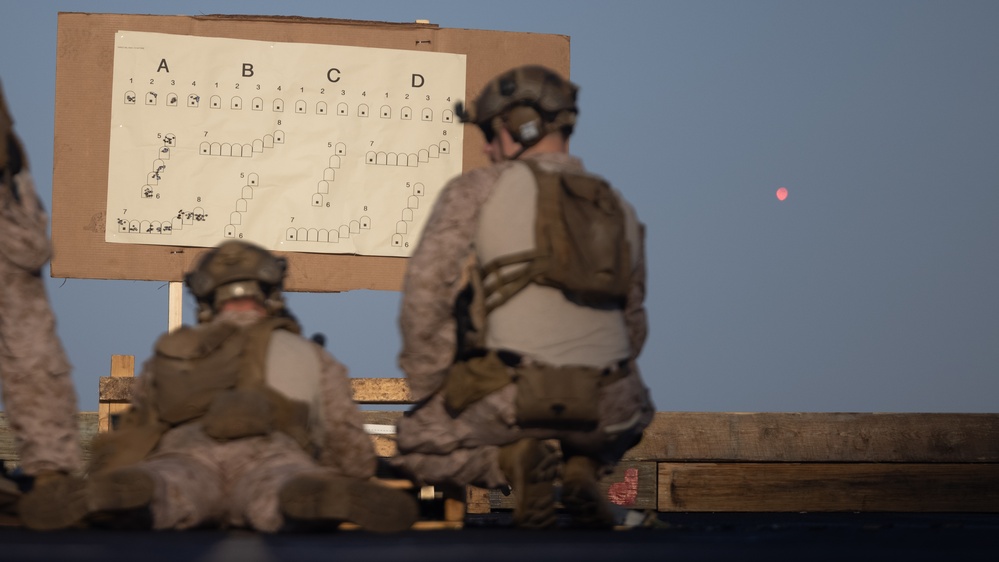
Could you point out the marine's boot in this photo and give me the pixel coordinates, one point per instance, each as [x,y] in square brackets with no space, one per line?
[9,495]
[121,498]
[56,501]
[582,497]
[531,466]
[325,498]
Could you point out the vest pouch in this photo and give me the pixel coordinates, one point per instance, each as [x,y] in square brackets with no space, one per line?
[471,380]
[557,397]
[240,412]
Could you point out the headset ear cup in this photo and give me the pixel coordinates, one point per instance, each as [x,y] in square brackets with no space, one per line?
[525,125]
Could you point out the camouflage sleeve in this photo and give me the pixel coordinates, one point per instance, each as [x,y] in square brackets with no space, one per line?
[24,241]
[433,280]
[38,393]
[635,316]
[345,445]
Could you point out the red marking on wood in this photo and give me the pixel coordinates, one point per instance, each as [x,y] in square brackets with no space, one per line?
[625,493]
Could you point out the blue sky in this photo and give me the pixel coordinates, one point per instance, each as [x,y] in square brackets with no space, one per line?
[873,287]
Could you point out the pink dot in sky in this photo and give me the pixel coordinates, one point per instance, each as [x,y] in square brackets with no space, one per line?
[781,193]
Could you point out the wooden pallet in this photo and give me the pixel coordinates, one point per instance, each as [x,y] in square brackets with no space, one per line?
[743,462]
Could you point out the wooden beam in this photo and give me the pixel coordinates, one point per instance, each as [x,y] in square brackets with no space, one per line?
[175,306]
[632,485]
[381,391]
[123,369]
[819,437]
[364,391]
[775,487]
[87,424]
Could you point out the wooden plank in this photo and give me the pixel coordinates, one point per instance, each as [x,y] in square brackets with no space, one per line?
[381,391]
[103,417]
[632,485]
[115,392]
[87,425]
[384,445]
[477,500]
[819,437]
[454,502]
[122,365]
[789,487]
[175,306]
[381,417]
[418,526]
[114,389]
[365,391]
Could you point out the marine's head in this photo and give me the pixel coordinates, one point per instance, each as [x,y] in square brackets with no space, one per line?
[530,102]
[237,270]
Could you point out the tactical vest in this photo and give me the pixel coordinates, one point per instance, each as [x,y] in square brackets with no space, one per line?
[216,372]
[581,245]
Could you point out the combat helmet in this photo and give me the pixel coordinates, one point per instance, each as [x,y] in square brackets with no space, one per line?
[237,269]
[529,102]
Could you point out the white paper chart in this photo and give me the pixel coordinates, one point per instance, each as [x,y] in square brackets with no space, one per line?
[296,147]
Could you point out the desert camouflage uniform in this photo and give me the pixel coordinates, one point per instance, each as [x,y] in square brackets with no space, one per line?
[199,480]
[38,392]
[433,445]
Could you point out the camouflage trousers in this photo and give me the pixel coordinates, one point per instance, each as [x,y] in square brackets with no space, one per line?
[201,481]
[440,449]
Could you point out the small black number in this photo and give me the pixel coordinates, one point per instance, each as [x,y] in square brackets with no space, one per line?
[199,199]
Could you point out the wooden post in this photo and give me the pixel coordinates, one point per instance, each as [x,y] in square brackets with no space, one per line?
[121,366]
[175,306]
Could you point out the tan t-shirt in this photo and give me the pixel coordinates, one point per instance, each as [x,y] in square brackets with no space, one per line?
[539,321]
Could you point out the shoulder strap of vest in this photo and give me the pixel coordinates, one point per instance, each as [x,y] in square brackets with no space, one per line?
[499,283]
[258,336]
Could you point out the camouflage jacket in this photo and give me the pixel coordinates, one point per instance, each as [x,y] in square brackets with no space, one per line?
[434,277]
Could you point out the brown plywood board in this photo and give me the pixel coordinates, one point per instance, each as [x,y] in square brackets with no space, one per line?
[786,487]
[819,437]
[84,68]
